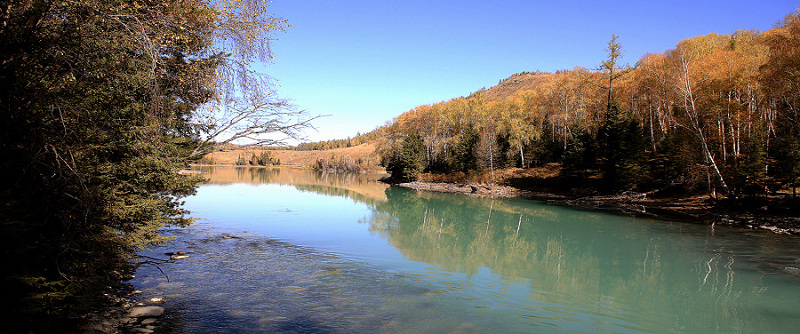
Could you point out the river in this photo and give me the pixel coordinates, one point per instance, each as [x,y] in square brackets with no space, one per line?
[297,251]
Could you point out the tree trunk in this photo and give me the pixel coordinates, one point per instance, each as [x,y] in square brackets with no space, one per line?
[694,118]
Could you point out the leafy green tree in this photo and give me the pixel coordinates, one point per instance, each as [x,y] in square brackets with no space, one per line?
[99,109]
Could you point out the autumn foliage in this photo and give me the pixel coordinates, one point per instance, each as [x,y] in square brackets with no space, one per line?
[717,114]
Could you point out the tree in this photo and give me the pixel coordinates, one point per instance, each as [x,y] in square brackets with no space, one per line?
[786,155]
[780,75]
[614,51]
[580,155]
[685,59]
[464,158]
[410,161]
[98,112]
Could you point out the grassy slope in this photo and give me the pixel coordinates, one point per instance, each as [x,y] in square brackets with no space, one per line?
[365,152]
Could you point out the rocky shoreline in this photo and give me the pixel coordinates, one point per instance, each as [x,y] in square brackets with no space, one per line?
[124,312]
[640,204]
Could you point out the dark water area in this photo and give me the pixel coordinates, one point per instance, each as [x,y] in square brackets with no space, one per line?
[296,251]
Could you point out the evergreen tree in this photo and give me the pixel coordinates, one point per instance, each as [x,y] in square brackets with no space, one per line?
[632,169]
[465,159]
[410,161]
[97,102]
[622,148]
[785,156]
[611,146]
[580,155]
[673,161]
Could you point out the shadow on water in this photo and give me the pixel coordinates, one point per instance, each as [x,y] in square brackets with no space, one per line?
[249,283]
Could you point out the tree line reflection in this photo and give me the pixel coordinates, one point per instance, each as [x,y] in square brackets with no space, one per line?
[635,274]
[592,263]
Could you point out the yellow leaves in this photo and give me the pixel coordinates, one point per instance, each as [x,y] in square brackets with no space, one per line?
[701,45]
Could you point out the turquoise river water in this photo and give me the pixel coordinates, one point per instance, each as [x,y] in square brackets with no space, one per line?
[296,251]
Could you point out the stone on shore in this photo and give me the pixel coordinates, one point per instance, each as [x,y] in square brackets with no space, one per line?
[146,311]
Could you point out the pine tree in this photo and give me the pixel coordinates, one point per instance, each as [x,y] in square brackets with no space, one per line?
[410,161]
[465,159]
[97,101]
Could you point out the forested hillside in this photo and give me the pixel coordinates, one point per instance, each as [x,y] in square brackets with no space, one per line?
[716,114]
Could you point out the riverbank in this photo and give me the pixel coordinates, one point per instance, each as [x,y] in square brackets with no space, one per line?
[123,312]
[694,208]
[395,261]
[293,288]
[544,184]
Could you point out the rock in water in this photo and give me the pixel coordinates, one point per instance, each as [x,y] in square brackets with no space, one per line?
[146,311]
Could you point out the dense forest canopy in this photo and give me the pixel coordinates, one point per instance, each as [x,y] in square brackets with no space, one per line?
[718,113]
[102,102]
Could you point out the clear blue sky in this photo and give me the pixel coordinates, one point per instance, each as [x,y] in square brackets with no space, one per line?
[363,62]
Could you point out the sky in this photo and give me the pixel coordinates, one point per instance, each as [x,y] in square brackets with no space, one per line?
[360,63]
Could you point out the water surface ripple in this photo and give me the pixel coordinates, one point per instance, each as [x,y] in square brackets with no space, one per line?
[294,251]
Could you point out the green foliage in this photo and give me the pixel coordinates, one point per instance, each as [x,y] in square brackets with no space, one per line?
[410,161]
[264,158]
[464,158]
[340,164]
[674,161]
[622,146]
[785,153]
[580,155]
[748,174]
[543,150]
[338,143]
[507,157]
[96,101]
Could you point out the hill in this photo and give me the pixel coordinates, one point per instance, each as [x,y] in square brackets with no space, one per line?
[716,115]
[297,158]
[511,86]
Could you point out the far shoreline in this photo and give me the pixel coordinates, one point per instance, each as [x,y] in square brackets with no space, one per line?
[688,208]
[694,209]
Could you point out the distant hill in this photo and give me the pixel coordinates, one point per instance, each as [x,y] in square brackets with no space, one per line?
[518,82]
[297,158]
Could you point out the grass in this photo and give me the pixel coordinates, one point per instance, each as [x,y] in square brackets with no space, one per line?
[307,159]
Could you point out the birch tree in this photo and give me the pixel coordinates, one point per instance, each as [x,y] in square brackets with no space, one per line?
[684,59]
